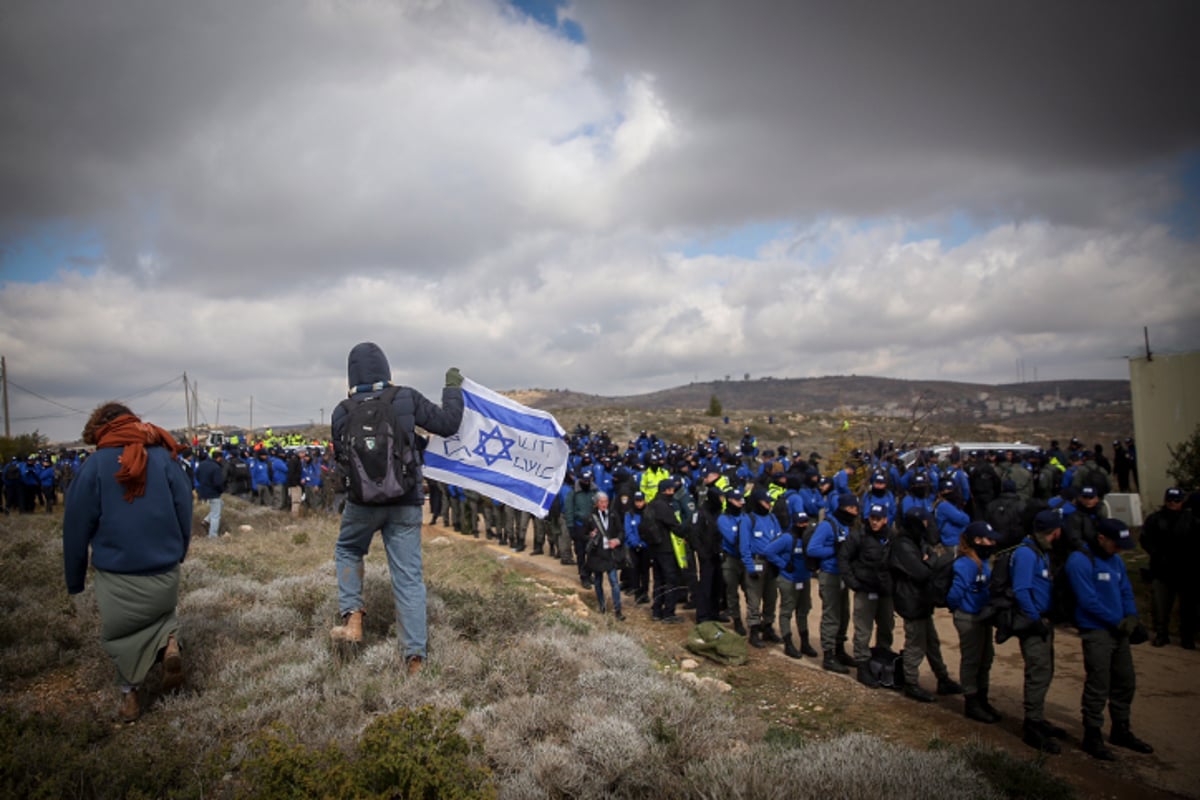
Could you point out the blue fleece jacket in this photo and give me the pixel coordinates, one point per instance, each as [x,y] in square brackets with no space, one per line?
[1031,579]
[951,522]
[969,590]
[823,543]
[1102,591]
[787,553]
[756,531]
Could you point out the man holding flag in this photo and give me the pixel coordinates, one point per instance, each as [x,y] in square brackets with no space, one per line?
[480,441]
[395,514]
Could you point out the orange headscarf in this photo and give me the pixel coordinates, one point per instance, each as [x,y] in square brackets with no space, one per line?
[134,435]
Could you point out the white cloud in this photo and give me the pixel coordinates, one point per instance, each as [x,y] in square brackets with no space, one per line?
[273,183]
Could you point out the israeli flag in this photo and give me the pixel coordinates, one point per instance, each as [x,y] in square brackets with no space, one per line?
[503,450]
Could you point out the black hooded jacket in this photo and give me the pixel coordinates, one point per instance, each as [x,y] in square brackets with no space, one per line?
[369,373]
[911,570]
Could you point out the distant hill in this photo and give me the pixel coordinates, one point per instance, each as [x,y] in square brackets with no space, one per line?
[880,397]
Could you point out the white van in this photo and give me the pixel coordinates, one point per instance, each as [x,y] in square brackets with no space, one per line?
[941,451]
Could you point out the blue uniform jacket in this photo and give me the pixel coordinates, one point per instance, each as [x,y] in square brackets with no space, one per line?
[755,532]
[727,524]
[951,522]
[787,553]
[887,500]
[1102,591]
[812,501]
[910,502]
[822,544]
[1031,579]
[969,590]
[633,539]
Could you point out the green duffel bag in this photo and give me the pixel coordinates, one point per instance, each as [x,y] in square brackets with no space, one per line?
[713,640]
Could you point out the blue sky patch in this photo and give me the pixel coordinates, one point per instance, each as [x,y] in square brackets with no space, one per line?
[1184,216]
[545,12]
[742,242]
[39,257]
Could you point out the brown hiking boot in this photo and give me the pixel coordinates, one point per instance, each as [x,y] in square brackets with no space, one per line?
[130,709]
[351,628]
[414,664]
[172,666]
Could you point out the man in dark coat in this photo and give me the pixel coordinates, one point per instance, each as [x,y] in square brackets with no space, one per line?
[1171,536]
[913,563]
[659,524]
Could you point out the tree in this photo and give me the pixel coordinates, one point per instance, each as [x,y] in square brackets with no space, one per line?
[24,444]
[1184,469]
[714,407]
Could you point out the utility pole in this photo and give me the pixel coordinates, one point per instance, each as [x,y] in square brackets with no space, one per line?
[217,421]
[4,382]
[187,405]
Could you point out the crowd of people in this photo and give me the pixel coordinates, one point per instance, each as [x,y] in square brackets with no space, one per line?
[1011,544]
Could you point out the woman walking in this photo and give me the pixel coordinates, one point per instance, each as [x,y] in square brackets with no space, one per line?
[131,505]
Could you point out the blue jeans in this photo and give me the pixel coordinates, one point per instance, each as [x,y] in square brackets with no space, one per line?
[598,584]
[214,516]
[401,529]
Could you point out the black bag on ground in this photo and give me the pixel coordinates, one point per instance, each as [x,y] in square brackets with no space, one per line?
[886,667]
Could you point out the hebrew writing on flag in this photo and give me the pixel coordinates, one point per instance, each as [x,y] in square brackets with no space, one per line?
[503,450]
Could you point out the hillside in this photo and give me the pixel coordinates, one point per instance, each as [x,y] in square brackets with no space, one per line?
[880,397]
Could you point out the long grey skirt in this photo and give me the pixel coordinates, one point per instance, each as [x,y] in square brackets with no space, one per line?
[137,615]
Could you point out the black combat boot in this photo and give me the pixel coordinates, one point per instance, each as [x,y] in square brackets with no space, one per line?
[831,663]
[864,675]
[768,633]
[1122,736]
[738,627]
[948,686]
[843,657]
[973,709]
[755,638]
[1093,745]
[1034,735]
[915,691]
[986,706]
[806,647]
[789,649]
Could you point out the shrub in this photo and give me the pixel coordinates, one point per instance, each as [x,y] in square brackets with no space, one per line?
[1184,469]
[412,753]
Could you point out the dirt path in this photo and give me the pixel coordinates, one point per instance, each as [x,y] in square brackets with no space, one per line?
[801,696]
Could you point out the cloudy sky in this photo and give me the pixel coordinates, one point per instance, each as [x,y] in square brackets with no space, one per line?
[611,196]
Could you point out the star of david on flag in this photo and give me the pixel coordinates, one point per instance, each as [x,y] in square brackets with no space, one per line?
[503,450]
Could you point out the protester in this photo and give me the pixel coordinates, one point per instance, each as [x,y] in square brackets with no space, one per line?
[398,522]
[131,506]
[210,482]
[605,553]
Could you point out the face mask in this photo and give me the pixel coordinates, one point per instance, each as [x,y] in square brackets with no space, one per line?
[585,484]
[984,551]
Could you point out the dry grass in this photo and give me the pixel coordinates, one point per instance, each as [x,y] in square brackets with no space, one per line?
[545,704]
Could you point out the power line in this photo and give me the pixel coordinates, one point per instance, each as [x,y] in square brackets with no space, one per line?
[16,385]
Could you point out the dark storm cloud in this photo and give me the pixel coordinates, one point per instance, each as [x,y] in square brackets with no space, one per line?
[866,107]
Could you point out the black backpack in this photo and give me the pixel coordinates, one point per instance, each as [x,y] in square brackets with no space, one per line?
[813,564]
[377,453]
[942,578]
